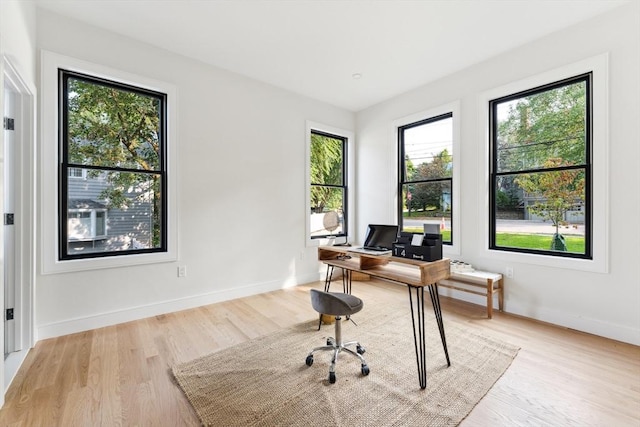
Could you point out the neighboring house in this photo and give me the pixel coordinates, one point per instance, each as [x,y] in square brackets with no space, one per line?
[445,201]
[572,216]
[521,211]
[94,227]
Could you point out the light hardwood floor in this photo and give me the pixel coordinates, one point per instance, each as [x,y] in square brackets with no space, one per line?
[120,375]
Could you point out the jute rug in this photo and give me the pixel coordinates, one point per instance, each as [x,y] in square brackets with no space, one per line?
[265,381]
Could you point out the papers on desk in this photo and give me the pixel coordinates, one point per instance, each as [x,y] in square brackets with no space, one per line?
[369,251]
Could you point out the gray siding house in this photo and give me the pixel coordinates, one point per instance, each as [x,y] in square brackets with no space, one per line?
[95,227]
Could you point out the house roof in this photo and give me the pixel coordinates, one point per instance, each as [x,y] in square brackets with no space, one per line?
[85,204]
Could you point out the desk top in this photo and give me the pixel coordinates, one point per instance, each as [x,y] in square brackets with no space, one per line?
[408,271]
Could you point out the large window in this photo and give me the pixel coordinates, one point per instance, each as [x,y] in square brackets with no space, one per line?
[540,169]
[113,136]
[328,185]
[425,182]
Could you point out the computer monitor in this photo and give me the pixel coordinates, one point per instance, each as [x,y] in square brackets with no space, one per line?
[381,236]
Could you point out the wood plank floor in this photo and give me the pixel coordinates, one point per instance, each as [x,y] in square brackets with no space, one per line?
[120,375]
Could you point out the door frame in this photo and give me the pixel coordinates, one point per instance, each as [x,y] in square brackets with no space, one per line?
[25,207]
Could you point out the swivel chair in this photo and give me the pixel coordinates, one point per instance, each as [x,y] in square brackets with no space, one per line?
[337,304]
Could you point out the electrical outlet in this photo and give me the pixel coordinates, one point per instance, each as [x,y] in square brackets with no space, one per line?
[509,272]
[182,271]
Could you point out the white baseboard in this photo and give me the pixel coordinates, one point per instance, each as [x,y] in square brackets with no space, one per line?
[71,326]
[11,365]
[567,320]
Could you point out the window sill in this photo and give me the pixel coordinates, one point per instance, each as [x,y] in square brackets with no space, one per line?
[595,265]
[68,266]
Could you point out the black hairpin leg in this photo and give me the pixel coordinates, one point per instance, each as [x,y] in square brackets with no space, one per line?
[435,300]
[419,336]
[328,278]
[417,318]
[346,281]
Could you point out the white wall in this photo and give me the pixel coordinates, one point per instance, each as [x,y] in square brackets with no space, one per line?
[241,192]
[18,36]
[604,304]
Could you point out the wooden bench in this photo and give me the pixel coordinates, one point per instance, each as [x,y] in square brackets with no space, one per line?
[470,281]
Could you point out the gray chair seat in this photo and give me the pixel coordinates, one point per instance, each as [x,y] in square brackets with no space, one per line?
[335,303]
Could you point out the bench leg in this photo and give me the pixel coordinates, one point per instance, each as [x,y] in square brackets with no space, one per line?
[489,298]
[501,295]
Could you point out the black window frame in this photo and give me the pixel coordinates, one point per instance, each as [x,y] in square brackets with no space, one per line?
[587,167]
[344,186]
[64,165]
[402,178]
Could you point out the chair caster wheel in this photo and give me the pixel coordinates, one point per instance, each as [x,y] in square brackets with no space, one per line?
[365,370]
[332,377]
[360,349]
[309,360]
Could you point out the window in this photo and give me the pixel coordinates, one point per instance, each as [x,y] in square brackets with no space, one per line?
[113,136]
[425,182]
[540,169]
[87,224]
[76,173]
[71,182]
[328,185]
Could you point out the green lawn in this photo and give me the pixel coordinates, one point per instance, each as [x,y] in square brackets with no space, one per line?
[575,244]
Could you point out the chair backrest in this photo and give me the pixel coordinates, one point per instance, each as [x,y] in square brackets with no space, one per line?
[334,303]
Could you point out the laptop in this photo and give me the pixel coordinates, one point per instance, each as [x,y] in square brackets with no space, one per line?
[379,240]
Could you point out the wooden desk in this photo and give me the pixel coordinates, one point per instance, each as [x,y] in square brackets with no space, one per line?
[416,275]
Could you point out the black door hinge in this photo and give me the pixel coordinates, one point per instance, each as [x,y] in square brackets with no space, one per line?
[8,123]
[8,219]
[9,315]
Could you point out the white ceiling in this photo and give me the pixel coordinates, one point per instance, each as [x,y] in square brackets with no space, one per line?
[314,47]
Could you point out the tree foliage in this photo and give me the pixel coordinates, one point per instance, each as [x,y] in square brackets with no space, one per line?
[549,124]
[429,194]
[326,169]
[557,191]
[118,130]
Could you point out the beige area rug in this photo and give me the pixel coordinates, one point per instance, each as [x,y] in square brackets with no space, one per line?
[265,381]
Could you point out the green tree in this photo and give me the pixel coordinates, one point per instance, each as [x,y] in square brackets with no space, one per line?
[326,171]
[410,168]
[556,192]
[548,124]
[115,128]
[407,191]
[429,194]
[507,194]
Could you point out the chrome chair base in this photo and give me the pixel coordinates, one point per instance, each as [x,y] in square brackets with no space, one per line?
[337,346]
